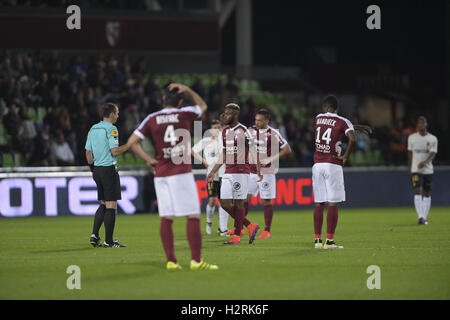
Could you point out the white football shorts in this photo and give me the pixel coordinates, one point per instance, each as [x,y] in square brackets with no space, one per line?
[234,186]
[177,195]
[328,182]
[267,187]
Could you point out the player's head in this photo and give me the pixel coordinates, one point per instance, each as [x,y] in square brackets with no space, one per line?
[231,113]
[173,97]
[216,126]
[330,104]
[262,118]
[110,112]
[422,123]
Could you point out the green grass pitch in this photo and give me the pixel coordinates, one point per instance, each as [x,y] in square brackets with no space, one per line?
[414,259]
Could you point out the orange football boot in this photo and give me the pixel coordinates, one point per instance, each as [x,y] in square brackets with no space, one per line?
[264,235]
[252,231]
[231,232]
[234,240]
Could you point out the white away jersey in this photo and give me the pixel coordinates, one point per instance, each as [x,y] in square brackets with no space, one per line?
[212,149]
[421,146]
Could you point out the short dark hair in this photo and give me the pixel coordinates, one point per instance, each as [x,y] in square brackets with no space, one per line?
[214,122]
[421,118]
[264,112]
[173,97]
[109,108]
[331,101]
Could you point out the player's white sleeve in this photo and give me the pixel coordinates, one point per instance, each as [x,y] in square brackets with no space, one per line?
[349,126]
[410,148]
[434,145]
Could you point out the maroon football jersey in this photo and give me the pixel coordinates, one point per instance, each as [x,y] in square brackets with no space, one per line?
[264,139]
[330,129]
[236,143]
[169,130]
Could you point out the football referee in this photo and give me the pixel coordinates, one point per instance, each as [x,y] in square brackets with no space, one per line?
[102,149]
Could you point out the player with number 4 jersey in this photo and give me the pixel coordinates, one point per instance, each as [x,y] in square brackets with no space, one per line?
[176,190]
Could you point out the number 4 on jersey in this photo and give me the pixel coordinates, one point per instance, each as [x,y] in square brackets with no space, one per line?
[170,136]
[326,135]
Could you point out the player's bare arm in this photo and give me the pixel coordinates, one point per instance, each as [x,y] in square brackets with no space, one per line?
[119,150]
[219,163]
[363,128]
[284,152]
[200,158]
[192,94]
[89,157]
[427,160]
[135,146]
[351,144]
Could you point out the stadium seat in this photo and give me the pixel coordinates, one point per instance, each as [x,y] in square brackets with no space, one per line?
[32,114]
[19,161]
[4,137]
[41,113]
[8,160]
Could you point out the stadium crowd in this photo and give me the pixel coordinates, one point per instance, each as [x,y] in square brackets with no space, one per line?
[69,91]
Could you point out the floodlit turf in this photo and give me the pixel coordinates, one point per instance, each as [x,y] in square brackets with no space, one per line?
[414,259]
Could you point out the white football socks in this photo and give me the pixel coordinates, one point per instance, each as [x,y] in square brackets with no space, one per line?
[426,204]
[209,213]
[223,219]
[418,204]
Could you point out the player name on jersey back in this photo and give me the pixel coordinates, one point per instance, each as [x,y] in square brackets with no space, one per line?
[169,130]
[170,118]
[330,129]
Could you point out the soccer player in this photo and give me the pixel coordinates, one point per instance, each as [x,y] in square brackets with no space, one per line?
[422,148]
[176,190]
[269,142]
[327,173]
[211,146]
[236,143]
[102,149]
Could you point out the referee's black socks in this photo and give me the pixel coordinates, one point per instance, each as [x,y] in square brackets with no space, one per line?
[110,220]
[98,219]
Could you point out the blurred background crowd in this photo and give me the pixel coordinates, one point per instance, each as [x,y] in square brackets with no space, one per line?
[48,102]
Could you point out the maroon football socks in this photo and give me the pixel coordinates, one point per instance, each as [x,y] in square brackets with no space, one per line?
[268,215]
[167,239]
[318,220]
[194,238]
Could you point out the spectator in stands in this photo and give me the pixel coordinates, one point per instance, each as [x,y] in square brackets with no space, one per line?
[199,88]
[61,152]
[29,128]
[73,145]
[231,86]
[64,120]
[215,94]
[41,156]
[45,132]
[12,120]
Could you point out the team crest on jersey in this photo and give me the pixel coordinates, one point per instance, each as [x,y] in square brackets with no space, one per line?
[265,185]
[236,186]
[114,133]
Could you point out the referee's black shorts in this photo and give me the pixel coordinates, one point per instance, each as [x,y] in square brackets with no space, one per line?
[108,183]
